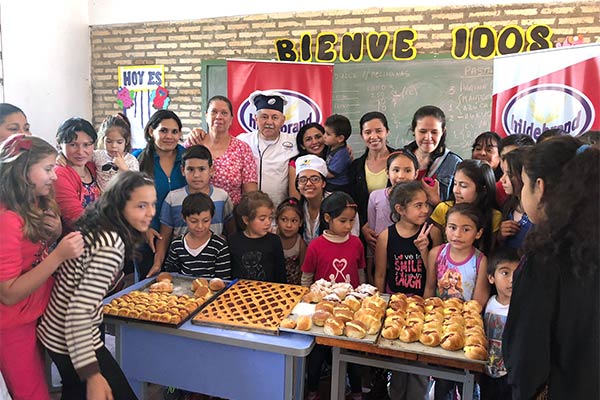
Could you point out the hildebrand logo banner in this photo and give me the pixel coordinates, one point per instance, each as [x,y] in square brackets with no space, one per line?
[307,88]
[546,89]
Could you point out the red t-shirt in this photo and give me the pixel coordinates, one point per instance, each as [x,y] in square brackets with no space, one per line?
[17,256]
[340,261]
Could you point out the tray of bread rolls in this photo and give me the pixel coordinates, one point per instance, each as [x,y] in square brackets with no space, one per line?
[253,306]
[169,300]
[444,328]
[339,310]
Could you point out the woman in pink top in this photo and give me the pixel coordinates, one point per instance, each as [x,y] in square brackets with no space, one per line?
[235,171]
[26,177]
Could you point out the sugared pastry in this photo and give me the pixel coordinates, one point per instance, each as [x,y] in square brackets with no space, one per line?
[319,317]
[355,329]
[164,277]
[216,284]
[196,283]
[304,323]
[334,326]
[288,323]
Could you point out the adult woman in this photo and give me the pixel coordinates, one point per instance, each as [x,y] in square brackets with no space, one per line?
[234,172]
[435,160]
[310,182]
[551,336]
[309,140]
[76,186]
[367,173]
[486,147]
[12,120]
[160,159]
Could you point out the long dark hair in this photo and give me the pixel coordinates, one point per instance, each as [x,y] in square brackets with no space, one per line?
[568,237]
[300,138]
[483,177]
[437,113]
[106,214]
[146,157]
[514,161]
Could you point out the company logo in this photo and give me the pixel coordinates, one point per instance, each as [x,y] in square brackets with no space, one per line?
[539,108]
[299,111]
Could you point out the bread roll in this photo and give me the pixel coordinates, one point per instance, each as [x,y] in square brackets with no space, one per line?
[175,319]
[374,328]
[475,330]
[196,283]
[319,317]
[202,291]
[394,320]
[344,315]
[471,322]
[216,284]
[457,328]
[164,277]
[288,323]
[304,323]
[162,287]
[352,302]
[415,298]
[430,338]
[391,331]
[452,341]
[476,352]
[453,302]
[473,305]
[397,304]
[409,334]
[324,305]
[334,326]
[477,339]
[355,329]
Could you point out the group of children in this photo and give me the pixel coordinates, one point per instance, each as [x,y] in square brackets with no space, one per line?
[421,250]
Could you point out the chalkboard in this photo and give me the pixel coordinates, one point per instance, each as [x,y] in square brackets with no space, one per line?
[461,88]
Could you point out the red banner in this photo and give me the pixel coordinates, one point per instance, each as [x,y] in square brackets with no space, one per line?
[307,88]
[541,90]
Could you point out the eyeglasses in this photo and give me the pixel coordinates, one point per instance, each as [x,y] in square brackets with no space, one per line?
[108,166]
[303,180]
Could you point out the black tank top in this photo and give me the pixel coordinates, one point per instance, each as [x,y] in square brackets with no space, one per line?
[405,267]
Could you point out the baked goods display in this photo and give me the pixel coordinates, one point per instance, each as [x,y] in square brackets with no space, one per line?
[155,307]
[341,310]
[168,300]
[451,324]
[253,305]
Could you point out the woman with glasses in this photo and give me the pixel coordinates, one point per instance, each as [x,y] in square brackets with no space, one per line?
[310,182]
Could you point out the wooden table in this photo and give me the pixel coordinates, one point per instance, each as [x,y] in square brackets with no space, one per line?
[345,351]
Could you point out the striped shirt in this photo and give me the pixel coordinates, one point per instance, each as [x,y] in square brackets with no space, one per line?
[70,324]
[213,260]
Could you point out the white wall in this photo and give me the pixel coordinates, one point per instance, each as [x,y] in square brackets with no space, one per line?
[46,56]
[120,11]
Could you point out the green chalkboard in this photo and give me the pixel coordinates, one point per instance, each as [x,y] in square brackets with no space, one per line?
[462,88]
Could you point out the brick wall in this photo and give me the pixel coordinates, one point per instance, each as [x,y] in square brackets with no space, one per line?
[182,46]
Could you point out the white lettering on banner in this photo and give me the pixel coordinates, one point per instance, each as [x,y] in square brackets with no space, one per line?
[299,111]
[539,108]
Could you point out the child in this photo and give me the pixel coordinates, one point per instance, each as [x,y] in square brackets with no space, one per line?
[197,168]
[256,253]
[112,228]
[457,268]
[473,184]
[336,256]
[400,257]
[337,132]
[401,166]
[26,177]
[199,252]
[503,263]
[289,218]
[114,149]
[515,223]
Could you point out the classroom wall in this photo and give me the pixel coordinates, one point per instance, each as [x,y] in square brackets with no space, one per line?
[182,46]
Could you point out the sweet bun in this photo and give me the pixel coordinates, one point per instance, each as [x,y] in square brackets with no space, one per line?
[476,352]
[352,302]
[374,327]
[288,323]
[164,276]
[344,315]
[201,291]
[415,298]
[452,341]
[409,334]
[355,329]
[319,317]
[161,287]
[311,297]
[473,305]
[398,296]
[196,283]
[304,323]
[430,338]
[216,284]
[334,326]
[477,339]
[324,305]
[453,302]
[398,304]
[394,320]
[475,330]
[391,331]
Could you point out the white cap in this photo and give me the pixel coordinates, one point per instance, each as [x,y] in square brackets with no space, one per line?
[311,162]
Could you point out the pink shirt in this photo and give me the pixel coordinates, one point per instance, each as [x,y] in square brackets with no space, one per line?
[234,168]
[17,256]
[340,261]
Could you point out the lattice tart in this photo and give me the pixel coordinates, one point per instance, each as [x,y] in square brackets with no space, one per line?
[252,305]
